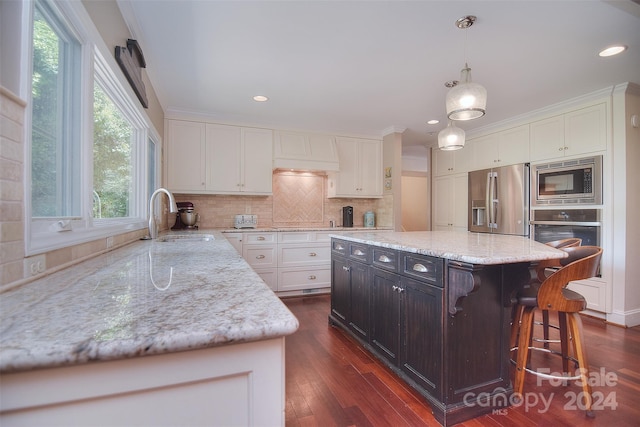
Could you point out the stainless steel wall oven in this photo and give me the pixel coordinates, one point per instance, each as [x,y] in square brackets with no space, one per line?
[556,224]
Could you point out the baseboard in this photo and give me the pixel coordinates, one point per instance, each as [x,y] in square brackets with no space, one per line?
[628,319]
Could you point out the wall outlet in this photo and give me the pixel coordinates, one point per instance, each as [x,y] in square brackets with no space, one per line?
[109,242]
[34,265]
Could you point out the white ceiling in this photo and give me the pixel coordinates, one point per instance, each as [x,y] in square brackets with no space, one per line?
[365,67]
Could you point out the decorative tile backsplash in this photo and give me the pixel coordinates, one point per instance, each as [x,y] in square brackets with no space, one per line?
[299,200]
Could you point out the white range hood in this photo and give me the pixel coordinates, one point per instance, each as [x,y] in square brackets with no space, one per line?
[303,151]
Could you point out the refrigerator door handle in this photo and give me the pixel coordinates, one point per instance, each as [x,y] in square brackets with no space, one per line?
[487,196]
[493,183]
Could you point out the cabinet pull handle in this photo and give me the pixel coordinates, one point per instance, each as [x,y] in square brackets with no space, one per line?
[345,268]
[394,288]
[312,254]
[358,252]
[260,237]
[384,258]
[420,268]
[260,257]
[312,277]
[339,247]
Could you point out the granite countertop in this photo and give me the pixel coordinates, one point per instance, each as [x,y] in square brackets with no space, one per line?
[300,228]
[149,297]
[474,248]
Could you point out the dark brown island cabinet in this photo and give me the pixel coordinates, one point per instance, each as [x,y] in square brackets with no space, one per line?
[441,325]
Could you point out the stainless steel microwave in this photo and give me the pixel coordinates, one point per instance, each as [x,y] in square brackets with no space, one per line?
[570,182]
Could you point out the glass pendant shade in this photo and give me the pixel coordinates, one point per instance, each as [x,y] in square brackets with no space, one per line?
[451,138]
[467,100]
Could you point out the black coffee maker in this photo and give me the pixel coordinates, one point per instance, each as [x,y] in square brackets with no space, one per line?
[347,216]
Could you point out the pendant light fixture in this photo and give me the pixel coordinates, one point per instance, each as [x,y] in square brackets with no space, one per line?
[451,138]
[467,100]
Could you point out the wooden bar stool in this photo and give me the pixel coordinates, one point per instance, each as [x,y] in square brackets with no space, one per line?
[543,270]
[582,263]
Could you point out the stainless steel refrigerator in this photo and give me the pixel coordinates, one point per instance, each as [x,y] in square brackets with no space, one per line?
[499,200]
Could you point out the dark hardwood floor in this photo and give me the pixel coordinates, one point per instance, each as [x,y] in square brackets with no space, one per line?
[331,381]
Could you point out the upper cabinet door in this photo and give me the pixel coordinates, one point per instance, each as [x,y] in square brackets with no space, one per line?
[577,132]
[360,169]
[257,170]
[503,148]
[185,156]
[239,160]
[370,159]
[223,158]
[585,130]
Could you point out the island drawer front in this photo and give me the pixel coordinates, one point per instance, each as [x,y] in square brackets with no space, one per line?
[340,247]
[360,252]
[259,238]
[384,258]
[424,268]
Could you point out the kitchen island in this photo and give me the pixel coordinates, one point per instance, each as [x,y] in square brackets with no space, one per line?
[435,307]
[155,333]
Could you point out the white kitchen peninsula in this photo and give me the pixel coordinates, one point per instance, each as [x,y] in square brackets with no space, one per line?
[154,333]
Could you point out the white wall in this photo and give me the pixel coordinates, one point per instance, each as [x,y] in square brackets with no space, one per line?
[416,212]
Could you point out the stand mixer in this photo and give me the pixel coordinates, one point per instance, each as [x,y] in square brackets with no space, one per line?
[186,217]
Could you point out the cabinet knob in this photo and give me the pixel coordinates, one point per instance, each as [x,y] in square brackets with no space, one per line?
[384,258]
[339,247]
[312,254]
[358,252]
[260,257]
[312,277]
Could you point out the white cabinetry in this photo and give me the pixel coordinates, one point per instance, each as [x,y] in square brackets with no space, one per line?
[294,150]
[304,261]
[450,202]
[218,159]
[236,240]
[239,160]
[504,148]
[216,386]
[360,169]
[451,162]
[574,133]
[260,252]
[186,155]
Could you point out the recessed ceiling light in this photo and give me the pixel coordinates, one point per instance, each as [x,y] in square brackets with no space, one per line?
[260,98]
[612,50]
[433,122]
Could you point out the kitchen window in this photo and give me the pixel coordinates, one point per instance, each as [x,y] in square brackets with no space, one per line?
[91,149]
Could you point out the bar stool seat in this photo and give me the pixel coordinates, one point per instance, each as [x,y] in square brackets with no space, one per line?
[552,295]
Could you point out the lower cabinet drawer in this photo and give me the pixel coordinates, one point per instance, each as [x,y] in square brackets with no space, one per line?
[291,279]
[269,276]
[292,256]
[385,258]
[260,256]
[423,267]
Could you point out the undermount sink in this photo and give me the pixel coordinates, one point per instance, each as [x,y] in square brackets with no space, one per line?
[187,238]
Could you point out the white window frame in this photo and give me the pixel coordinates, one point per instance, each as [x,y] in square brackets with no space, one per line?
[97,62]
